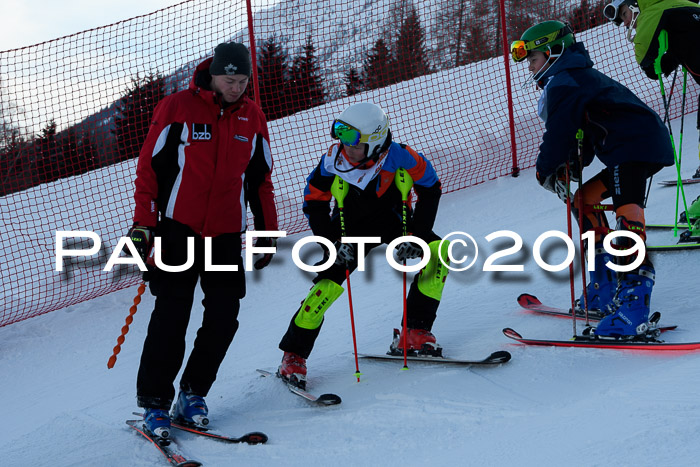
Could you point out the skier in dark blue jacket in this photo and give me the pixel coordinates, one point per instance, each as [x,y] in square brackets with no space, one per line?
[625,134]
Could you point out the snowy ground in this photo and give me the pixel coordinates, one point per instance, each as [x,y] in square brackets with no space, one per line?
[548,406]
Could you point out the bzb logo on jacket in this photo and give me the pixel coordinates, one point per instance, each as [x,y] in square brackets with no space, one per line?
[201,132]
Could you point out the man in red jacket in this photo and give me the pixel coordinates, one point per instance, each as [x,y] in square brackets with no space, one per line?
[205,159]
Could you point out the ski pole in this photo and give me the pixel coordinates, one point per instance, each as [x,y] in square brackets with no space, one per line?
[663,47]
[339,190]
[579,141]
[125,329]
[697,126]
[569,230]
[679,185]
[404,182]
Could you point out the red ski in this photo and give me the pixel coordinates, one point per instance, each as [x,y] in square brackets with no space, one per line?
[605,343]
[165,446]
[685,181]
[533,304]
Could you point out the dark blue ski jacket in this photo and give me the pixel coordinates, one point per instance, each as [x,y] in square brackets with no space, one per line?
[618,127]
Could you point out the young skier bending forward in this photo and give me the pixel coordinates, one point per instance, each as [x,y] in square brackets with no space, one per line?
[366,159]
[627,137]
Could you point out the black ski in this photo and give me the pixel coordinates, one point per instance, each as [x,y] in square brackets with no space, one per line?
[166,446]
[323,399]
[532,303]
[495,358]
[254,437]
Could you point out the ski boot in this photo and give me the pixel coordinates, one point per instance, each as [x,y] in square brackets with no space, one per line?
[157,422]
[191,409]
[693,212]
[692,234]
[420,342]
[601,286]
[293,370]
[697,173]
[630,316]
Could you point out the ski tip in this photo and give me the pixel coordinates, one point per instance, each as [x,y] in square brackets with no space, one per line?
[255,437]
[508,332]
[329,399]
[525,299]
[500,356]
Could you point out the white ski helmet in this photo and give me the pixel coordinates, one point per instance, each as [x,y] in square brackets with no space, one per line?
[363,123]
[612,12]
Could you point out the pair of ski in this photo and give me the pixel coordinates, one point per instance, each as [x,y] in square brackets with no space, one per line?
[333,399]
[532,303]
[171,451]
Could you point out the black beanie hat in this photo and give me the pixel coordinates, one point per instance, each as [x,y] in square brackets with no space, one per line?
[230,58]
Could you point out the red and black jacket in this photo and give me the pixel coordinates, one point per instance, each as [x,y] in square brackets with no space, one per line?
[202,164]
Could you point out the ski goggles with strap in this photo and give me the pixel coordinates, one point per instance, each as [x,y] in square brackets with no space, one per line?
[520,48]
[347,134]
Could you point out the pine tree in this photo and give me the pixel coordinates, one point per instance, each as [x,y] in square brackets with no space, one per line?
[68,153]
[306,86]
[523,14]
[12,164]
[87,155]
[273,79]
[379,68]
[587,15]
[410,50]
[135,110]
[449,33]
[353,82]
[45,150]
[478,35]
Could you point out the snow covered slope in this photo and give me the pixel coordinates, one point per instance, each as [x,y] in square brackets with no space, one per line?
[548,406]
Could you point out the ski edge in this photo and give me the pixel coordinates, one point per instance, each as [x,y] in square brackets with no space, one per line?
[603,344]
[666,226]
[685,181]
[674,247]
[496,358]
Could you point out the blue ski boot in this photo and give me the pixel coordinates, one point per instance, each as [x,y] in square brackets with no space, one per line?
[602,284]
[190,409]
[631,305]
[157,422]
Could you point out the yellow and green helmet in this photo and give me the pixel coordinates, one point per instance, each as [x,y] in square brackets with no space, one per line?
[548,36]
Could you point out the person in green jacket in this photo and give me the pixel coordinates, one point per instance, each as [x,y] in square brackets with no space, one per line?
[645,19]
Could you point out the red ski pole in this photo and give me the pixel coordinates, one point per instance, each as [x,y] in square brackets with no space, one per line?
[404,182]
[571,236]
[579,140]
[339,190]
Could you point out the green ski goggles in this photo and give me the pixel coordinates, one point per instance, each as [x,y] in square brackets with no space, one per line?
[347,134]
